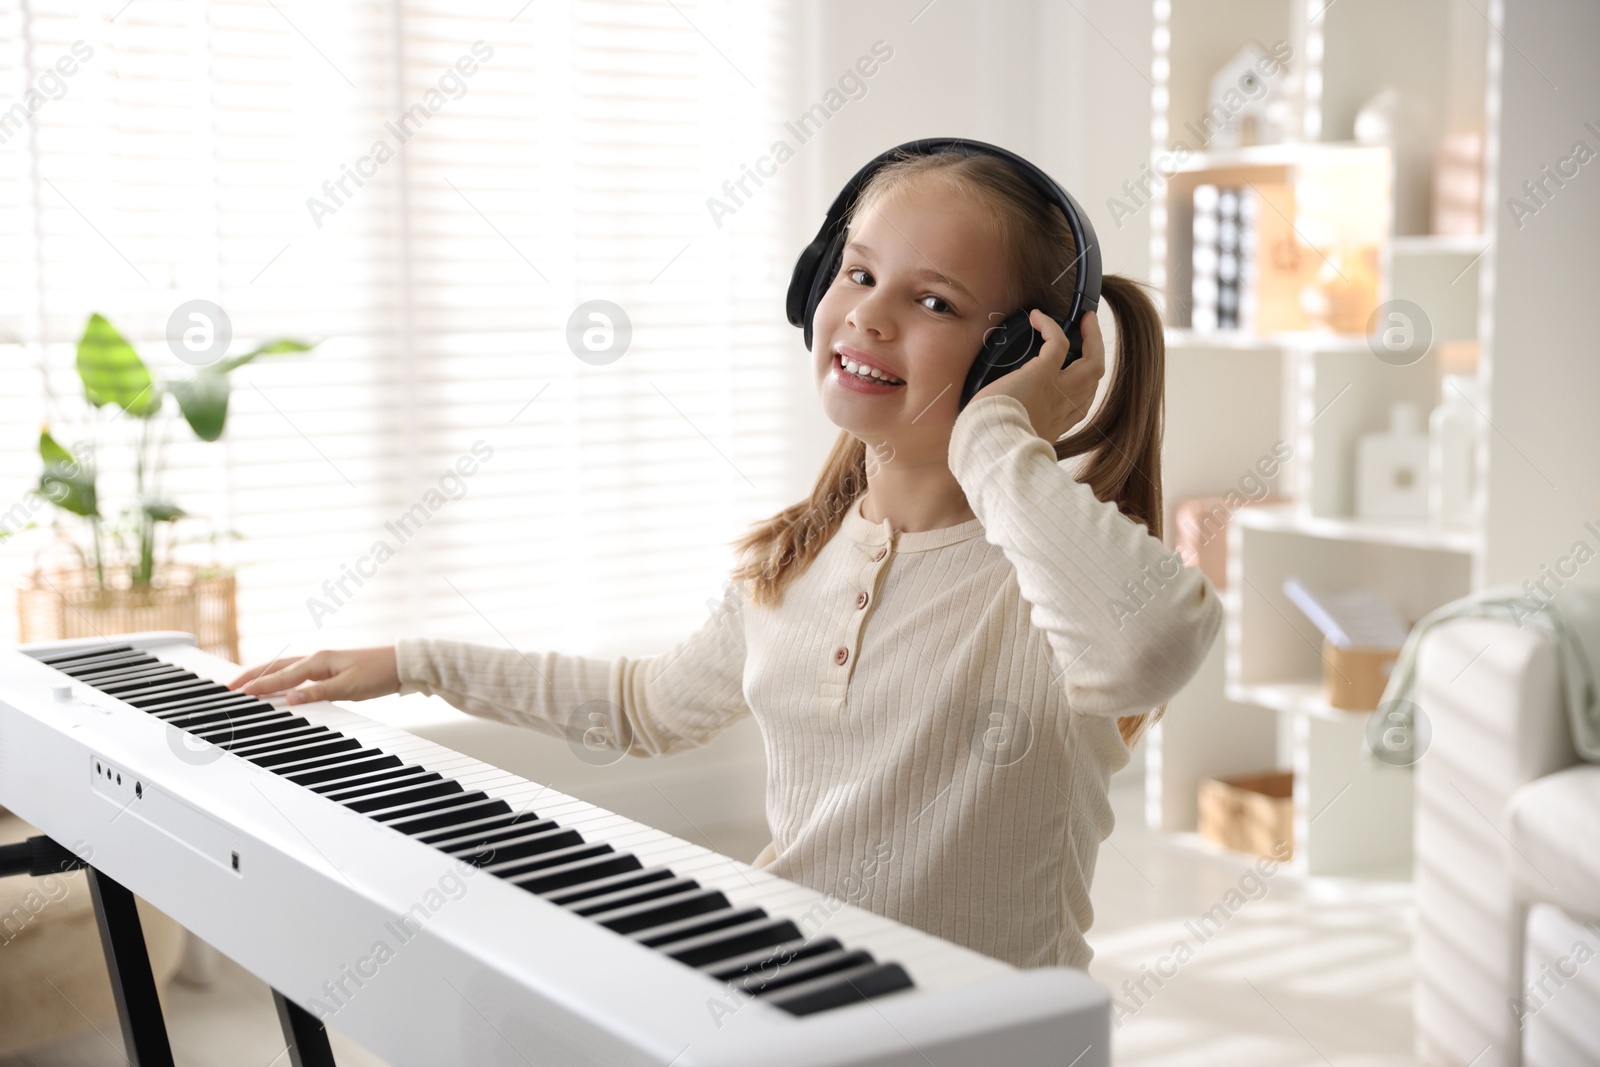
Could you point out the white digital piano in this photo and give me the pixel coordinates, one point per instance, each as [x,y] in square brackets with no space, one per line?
[440,910]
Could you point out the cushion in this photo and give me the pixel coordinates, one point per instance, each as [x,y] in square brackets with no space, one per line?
[54,968]
[1553,833]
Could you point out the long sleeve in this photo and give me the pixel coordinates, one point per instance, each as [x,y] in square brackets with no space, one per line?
[1128,623]
[645,706]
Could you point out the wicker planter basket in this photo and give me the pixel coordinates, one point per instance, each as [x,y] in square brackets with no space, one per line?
[66,603]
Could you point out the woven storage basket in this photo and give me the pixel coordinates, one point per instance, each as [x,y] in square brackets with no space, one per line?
[67,602]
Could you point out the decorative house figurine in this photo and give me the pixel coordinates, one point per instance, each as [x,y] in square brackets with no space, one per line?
[1247,106]
[1392,469]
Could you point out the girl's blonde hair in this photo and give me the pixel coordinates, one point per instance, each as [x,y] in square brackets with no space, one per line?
[1122,437]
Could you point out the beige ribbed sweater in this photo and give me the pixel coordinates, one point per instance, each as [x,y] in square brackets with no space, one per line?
[938,708]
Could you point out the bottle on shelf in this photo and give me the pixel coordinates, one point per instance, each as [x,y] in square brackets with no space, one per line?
[1451,451]
[1392,469]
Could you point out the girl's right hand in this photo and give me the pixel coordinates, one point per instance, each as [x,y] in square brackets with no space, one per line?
[335,674]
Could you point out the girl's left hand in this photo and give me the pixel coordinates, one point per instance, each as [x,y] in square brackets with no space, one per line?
[1057,399]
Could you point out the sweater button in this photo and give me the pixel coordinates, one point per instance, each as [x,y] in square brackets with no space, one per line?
[861,600]
[841,654]
[881,553]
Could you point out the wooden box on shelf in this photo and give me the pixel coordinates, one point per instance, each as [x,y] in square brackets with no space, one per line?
[1249,812]
[66,603]
[1354,678]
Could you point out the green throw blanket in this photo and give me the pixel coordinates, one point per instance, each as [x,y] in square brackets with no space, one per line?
[1571,618]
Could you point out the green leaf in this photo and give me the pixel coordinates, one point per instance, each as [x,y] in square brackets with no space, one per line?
[163,511]
[112,371]
[203,399]
[282,346]
[66,482]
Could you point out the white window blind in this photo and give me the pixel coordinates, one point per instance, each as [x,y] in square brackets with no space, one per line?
[186,157]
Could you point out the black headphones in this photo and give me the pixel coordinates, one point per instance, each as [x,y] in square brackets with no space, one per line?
[1006,346]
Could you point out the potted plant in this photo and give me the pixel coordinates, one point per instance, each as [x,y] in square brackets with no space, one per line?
[117,581]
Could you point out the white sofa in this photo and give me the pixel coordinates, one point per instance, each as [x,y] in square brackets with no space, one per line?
[1507,857]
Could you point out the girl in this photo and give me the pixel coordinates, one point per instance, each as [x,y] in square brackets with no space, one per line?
[954,643]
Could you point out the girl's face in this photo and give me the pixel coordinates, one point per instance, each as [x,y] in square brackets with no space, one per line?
[922,278]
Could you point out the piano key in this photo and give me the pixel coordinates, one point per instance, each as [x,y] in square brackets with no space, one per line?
[144,682]
[256,746]
[178,709]
[839,990]
[342,791]
[557,837]
[194,721]
[484,826]
[339,770]
[631,895]
[581,871]
[296,755]
[655,936]
[162,695]
[793,972]
[56,658]
[97,676]
[276,722]
[651,914]
[732,941]
[766,959]
[401,796]
[405,810]
[453,817]
[485,839]
[602,886]
[512,870]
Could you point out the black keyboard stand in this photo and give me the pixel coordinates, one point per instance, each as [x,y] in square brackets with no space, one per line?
[133,985]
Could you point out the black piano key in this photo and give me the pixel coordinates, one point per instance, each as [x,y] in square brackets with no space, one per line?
[767,959]
[606,885]
[244,729]
[397,812]
[456,835]
[111,663]
[297,755]
[257,746]
[204,718]
[838,990]
[513,870]
[147,682]
[557,837]
[56,659]
[649,914]
[98,676]
[403,796]
[602,866]
[733,941]
[678,929]
[453,817]
[165,694]
[341,770]
[794,972]
[636,894]
[178,709]
[374,782]
[475,842]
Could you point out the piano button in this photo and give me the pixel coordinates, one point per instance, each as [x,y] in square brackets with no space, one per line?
[258,746]
[656,936]
[253,726]
[483,831]
[179,708]
[452,817]
[148,681]
[733,941]
[557,837]
[54,658]
[793,972]
[766,959]
[838,990]
[513,870]
[602,886]
[621,898]
[372,783]
[340,770]
[296,755]
[167,694]
[401,796]
[588,870]
[398,812]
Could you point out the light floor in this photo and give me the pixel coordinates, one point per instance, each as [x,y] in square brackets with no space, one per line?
[1282,975]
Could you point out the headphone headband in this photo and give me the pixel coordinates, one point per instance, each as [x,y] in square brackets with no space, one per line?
[811,277]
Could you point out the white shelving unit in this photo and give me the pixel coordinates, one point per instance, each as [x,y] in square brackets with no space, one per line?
[1257,704]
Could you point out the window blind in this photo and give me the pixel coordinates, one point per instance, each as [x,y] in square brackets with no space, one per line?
[430,192]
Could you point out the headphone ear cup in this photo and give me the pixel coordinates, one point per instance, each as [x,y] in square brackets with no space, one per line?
[1005,348]
[828,268]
